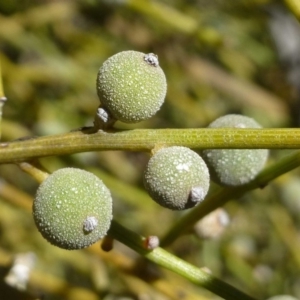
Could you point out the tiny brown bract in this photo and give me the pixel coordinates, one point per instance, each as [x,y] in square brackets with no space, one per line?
[151,242]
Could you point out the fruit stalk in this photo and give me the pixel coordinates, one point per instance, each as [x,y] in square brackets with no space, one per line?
[169,261]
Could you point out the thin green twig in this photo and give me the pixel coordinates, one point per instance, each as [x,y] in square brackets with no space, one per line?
[169,261]
[147,139]
[223,195]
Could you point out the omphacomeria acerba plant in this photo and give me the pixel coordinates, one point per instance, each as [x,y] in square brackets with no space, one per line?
[233,167]
[176,178]
[131,87]
[72,208]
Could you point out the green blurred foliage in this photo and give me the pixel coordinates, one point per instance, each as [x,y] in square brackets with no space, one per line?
[219,58]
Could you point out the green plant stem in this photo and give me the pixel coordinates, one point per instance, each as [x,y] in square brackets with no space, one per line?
[169,261]
[147,139]
[223,195]
[35,170]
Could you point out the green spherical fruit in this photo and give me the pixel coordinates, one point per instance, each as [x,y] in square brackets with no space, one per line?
[176,178]
[131,86]
[72,208]
[233,167]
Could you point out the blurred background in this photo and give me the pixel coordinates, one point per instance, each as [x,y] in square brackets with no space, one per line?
[219,57]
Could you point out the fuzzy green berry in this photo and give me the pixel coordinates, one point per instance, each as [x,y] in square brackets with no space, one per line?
[72,208]
[131,86]
[176,178]
[233,167]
